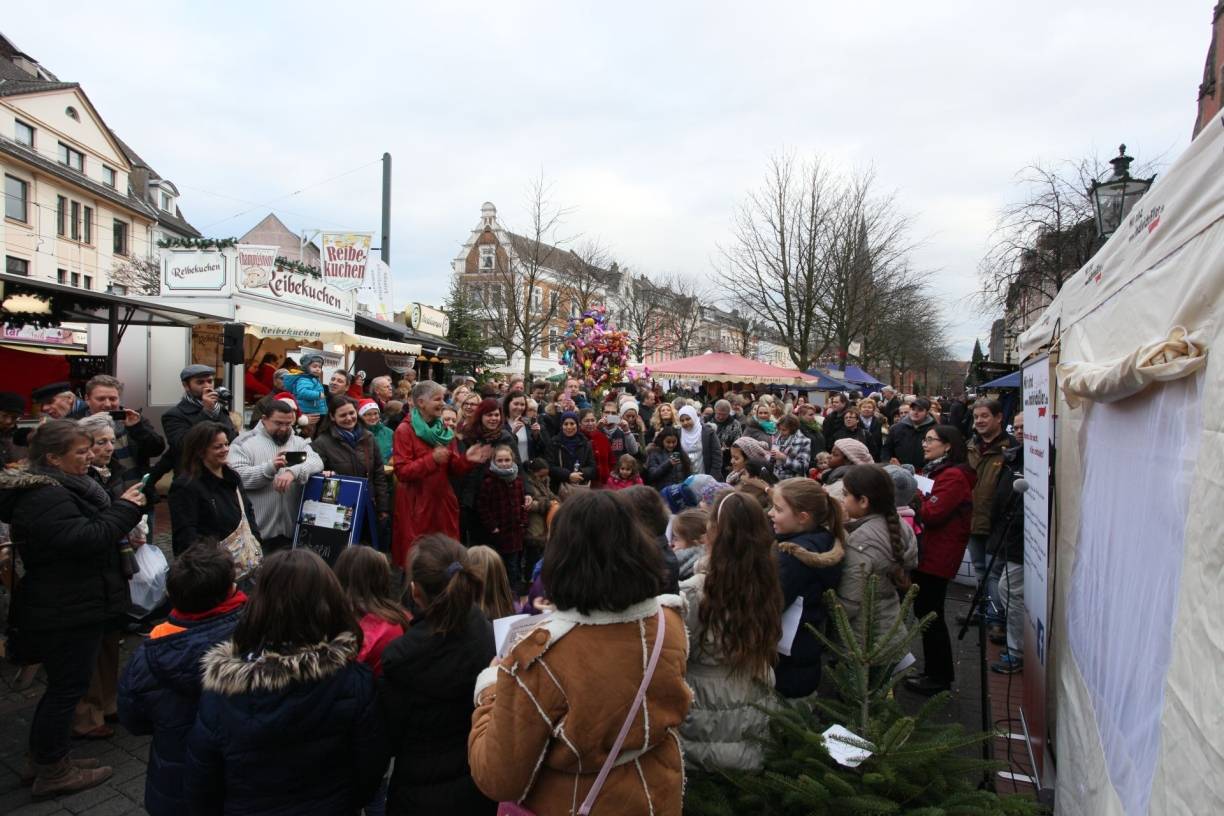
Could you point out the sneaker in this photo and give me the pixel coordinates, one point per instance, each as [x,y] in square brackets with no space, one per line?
[1008,663]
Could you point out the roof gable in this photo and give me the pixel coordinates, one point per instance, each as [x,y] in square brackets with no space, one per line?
[47,103]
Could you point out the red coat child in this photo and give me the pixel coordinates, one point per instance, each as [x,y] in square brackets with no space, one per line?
[502,511]
[424,500]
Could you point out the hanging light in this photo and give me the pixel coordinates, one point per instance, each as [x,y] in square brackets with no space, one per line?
[26,304]
[1113,199]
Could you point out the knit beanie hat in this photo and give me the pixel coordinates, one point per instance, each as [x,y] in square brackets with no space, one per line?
[855,451]
[629,405]
[754,449]
[307,359]
[904,484]
[366,405]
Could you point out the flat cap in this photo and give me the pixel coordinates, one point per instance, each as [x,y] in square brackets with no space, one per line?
[45,393]
[11,403]
[196,370]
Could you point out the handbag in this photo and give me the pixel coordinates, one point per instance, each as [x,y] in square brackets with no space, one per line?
[242,545]
[515,809]
[568,489]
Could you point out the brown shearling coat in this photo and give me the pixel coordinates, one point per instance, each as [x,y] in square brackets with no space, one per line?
[546,719]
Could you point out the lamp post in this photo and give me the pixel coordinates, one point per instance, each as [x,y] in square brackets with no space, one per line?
[1113,199]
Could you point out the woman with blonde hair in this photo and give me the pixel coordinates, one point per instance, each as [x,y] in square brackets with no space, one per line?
[734,618]
[495,599]
[664,416]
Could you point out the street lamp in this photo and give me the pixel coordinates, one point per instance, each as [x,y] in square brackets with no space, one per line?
[1113,198]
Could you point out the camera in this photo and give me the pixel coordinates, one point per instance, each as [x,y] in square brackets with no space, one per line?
[225,397]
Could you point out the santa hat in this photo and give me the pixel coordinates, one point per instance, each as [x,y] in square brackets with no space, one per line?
[286,397]
[366,405]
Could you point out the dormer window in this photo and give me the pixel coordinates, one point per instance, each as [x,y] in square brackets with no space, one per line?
[167,202]
[72,114]
[108,176]
[73,158]
[488,255]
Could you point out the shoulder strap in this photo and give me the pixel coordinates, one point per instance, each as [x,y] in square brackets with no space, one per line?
[589,802]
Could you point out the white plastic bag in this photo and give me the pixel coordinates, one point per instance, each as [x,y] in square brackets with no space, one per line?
[148,585]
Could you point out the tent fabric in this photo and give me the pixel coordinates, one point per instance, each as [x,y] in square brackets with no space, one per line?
[1011,380]
[726,368]
[858,376]
[823,382]
[1165,360]
[1164,268]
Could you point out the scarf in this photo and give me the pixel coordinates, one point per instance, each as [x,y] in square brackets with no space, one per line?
[509,474]
[768,426]
[84,486]
[934,463]
[199,403]
[351,437]
[433,434]
[690,439]
[570,443]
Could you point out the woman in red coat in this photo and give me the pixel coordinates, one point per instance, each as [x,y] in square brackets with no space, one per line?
[600,446]
[947,514]
[425,454]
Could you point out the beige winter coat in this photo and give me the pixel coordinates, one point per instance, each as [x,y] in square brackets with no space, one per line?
[546,720]
[869,552]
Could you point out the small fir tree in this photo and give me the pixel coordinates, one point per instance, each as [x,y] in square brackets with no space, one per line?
[464,329]
[916,766]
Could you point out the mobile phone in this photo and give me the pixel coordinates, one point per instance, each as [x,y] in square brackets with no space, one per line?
[119,415]
[295,457]
[144,480]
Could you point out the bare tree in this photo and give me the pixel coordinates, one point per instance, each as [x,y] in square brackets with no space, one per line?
[641,308]
[520,296]
[747,331]
[586,274]
[683,321]
[140,276]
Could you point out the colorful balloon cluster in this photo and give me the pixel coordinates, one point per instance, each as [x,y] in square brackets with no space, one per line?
[595,351]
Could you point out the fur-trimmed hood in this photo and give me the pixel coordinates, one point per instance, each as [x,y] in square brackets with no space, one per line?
[14,481]
[231,674]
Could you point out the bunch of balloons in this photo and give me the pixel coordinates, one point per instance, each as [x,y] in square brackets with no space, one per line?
[595,352]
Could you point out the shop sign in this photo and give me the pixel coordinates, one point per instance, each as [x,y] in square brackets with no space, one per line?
[400,363]
[55,336]
[376,293]
[285,286]
[193,271]
[343,257]
[428,320]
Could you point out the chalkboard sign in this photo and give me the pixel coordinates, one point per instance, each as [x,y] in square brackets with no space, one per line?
[332,515]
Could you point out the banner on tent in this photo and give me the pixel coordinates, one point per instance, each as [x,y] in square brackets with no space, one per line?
[1038,465]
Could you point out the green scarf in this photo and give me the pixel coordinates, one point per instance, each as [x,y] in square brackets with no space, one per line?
[434,434]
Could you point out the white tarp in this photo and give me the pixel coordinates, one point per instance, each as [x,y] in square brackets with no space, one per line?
[1164,269]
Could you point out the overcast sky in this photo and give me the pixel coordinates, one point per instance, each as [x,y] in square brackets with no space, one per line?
[652,120]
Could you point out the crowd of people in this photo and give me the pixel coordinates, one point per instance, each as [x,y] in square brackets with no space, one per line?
[656,540]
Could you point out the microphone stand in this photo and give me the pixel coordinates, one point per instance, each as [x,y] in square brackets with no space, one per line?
[983,672]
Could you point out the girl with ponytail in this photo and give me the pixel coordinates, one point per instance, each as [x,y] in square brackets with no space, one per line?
[428,676]
[879,544]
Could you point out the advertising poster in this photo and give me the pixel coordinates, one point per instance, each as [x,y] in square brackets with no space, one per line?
[1038,460]
[343,257]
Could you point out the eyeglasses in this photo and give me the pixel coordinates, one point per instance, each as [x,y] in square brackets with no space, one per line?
[930,440]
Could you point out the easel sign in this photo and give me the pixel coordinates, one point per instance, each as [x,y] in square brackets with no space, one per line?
[332,515]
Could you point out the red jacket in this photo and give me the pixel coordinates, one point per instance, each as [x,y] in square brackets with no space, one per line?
[255,384]
[602,448]
[424,500]
[501,509]
[947,515]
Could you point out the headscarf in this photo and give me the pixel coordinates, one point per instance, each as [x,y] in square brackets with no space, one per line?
[856,452]
[690,438]
[570,443]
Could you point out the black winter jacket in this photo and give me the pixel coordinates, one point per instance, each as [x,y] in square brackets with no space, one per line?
[662,470]
[874,436]
[70,551]
[364,461]
[159,693]
[561,463]
[207,506]
[1006,500]
[289,734]
[176,422]
[426,696]
[904,442]
[798,674]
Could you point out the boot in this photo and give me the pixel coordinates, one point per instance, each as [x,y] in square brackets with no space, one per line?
[63,777]
[29,770]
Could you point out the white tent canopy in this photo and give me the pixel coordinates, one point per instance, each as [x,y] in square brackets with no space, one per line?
[1136,671]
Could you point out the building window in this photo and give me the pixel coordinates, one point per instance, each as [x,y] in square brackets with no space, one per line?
[16,266]
[89,281]
[72,113]
[537,298]
[61,276]
[108,176]
[71,157]
[87,226]
[167,203]
[121,237]
[553,299]
[552,341]
[488,255]
[23,133]
[76,279]
[61,215]
[75,227]
[16,199]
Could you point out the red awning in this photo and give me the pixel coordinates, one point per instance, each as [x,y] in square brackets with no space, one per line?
[725,368]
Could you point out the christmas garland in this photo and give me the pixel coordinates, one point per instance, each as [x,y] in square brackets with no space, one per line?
[197,243]
[298,266]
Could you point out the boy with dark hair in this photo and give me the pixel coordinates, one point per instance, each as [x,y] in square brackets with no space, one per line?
[160,688]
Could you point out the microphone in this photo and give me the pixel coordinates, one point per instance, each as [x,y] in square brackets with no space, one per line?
[1020,486]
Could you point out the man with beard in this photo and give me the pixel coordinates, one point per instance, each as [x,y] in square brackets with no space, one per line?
[273,485]
[200,403]
[904,443]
